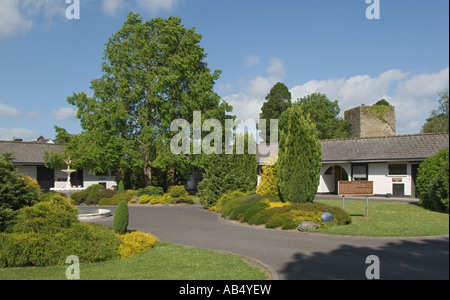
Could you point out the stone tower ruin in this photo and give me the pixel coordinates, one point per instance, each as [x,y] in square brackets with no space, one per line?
[371,121]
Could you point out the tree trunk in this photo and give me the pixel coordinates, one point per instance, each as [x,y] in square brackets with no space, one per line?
[148,174]
[171,177]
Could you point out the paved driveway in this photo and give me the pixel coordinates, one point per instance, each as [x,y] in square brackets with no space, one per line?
[291,254]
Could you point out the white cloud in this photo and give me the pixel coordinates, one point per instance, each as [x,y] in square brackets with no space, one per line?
[12,21]
[8,134]
[65,113]
[8,111]
[413,96]
[251,61]
[276,68]
[155,6]
[18,16]
[110,7]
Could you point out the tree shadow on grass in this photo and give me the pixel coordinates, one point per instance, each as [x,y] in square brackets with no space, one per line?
[399,260]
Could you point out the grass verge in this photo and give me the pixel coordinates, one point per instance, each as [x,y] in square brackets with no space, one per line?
[388,219]
[164,261]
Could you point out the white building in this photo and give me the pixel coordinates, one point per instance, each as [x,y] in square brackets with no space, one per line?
[28,157]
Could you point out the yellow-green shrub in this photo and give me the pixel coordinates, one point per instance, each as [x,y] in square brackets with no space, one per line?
[135,242]
[269,179]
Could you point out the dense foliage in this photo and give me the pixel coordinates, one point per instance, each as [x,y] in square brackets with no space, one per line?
[433,182]
[16,192]
[48,232]
[227,172]
[299,159]
[261,210]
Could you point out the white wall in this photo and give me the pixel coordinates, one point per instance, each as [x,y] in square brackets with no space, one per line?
[91,179]
[28,170]
[378,173]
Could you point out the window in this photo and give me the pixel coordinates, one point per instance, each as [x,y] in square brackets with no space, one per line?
[360,172]
[101,173]
[329,171]
[398,169]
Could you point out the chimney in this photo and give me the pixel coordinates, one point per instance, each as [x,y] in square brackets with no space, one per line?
[371,121]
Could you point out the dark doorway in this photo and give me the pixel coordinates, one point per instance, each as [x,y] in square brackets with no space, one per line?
[77,178]
[398,190]
[45,178]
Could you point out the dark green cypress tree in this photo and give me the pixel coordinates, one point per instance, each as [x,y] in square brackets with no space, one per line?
[121,217]
[299,159]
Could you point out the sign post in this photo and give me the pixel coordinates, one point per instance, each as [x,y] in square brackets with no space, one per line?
[356,188]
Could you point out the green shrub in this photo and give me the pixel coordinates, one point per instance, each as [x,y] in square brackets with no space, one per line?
[121,187]
[255,210]
[178,194]
[79,197]
[95,187]
[432,182]
[91,243]
[150,191]
[46,217]
[16,191]
[152,199]
[46,233]
[107,193]
[120,222]
[115,199]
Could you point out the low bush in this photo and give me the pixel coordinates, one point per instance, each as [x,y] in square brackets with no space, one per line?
[116,199]
[46,233]
[150,191]
[258,210]
[135,242]
[107,193]
[152,199]
[178,194]
[91,243]
[46,217]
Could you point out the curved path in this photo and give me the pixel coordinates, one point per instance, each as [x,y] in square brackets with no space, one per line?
[291,254]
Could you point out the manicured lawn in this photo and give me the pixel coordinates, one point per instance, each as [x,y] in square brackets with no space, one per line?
[163,262]
[389,219]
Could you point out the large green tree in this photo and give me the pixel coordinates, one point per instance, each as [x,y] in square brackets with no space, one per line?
[277,101]
[324,113]
[439,119]
[153,73]
[299,159]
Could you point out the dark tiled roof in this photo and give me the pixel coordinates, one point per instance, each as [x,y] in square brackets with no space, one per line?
[415,147]
[28,153]
[401,147]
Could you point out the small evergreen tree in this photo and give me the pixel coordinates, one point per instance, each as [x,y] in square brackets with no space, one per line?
[299,160]
[121,216]
[121,187]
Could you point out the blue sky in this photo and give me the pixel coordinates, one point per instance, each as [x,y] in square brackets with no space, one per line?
[325,46]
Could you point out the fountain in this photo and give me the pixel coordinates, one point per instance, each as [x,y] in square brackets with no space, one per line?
[68,189]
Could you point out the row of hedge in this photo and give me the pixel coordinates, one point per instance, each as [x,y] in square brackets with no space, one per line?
[48,232]
[255,209]
[98,195]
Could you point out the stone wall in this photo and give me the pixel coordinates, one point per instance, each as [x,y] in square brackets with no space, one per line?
[371,121]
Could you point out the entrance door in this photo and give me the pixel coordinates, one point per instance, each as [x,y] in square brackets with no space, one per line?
[398,190]
[45,178]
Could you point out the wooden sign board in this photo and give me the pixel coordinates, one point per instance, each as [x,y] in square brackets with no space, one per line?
[355,188]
